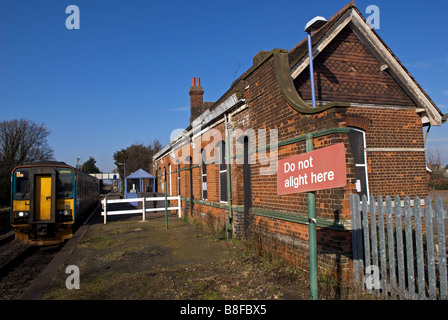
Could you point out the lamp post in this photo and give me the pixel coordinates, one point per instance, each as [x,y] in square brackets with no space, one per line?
[312,25]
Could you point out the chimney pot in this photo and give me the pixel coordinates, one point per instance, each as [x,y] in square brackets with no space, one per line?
[196,99]
[193,82]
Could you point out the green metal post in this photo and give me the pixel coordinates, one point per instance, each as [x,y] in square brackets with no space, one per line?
[312,238]
[229,181]
[166,206]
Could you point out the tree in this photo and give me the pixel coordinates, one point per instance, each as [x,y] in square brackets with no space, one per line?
[21,142]
[136,156]
[438,178]
[90,166]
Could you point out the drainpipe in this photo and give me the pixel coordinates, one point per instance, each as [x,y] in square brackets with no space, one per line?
[426,136]
[229,185]
[191,186]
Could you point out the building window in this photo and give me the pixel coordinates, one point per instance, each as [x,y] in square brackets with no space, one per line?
[222,172]
[159,179]
[178,179]
[164,180]
[204,176]
[358,144]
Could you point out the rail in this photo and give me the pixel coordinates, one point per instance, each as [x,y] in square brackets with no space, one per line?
[143,210]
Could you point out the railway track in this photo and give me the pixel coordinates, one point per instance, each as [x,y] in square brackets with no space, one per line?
[20,264]
[11,252]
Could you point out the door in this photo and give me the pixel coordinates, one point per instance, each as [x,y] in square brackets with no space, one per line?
[171,188]
[246,176]
[42,196]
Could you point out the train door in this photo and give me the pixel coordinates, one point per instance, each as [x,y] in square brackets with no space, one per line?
[42,196]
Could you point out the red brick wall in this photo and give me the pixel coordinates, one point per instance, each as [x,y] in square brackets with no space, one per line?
[267,110]
[385,111]
[345,71]
[394,172]
[270,110]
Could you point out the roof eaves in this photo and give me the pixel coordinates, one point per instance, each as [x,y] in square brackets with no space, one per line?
[297,57]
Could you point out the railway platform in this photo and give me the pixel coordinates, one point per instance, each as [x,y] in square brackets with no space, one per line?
[118,260]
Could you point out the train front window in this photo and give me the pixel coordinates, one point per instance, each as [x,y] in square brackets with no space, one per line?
[22,185]
[65,183]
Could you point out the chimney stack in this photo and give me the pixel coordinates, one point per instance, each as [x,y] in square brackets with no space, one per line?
[196,99]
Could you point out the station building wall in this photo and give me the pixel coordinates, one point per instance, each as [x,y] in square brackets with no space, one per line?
[376,106]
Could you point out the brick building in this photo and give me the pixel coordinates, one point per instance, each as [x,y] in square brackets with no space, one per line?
[224,164]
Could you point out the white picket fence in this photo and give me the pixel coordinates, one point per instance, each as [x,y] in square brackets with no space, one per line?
[109,212]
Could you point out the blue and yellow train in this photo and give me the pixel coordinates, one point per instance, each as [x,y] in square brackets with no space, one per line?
[48,200]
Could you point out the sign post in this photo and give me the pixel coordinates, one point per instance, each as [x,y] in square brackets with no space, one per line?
[320,169]
[166,206]
[166,200]
[312,237]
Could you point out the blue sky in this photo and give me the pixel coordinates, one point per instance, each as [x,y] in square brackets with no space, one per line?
[124,76]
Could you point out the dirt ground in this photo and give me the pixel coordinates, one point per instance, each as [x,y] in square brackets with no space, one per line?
[129,259]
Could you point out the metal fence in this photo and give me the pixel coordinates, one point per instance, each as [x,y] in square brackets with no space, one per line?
[399,247]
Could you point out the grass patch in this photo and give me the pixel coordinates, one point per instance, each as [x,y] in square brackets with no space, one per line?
[100,243]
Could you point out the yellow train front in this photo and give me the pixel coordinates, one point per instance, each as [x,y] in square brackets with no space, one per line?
[48,200]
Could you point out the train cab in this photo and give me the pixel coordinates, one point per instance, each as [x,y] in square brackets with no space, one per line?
[47,199]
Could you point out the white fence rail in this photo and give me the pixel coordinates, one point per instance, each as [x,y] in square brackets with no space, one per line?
[109,212]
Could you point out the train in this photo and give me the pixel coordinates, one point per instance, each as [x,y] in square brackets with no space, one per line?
[49,200]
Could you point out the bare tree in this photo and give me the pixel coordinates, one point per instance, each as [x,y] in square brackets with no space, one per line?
[438,178]
[21,142]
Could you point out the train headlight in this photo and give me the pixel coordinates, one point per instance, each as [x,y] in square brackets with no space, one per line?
[21,214]
[65,214]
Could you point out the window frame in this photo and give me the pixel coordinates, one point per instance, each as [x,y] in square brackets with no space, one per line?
[178,179]
[222,172]
[364,164]
[204,176]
